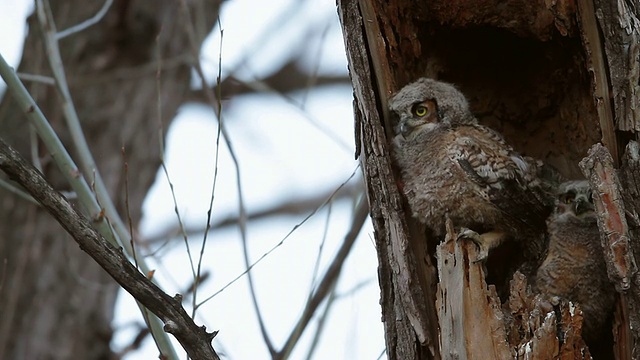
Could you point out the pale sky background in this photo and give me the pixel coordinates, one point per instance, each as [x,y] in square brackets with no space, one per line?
[282,154]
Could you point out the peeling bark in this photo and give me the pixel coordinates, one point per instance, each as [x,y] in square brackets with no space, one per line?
[598,169]
[619,26]
[409,332]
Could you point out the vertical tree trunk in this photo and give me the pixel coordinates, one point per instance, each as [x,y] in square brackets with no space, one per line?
[553,77]
[128,75]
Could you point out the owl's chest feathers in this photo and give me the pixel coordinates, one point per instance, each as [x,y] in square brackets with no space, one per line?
[576,243]
[575,267]
[435,185]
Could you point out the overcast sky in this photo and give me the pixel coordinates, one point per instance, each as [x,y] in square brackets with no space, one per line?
[287,148]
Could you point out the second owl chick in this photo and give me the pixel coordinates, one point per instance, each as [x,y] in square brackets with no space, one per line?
[574,268]
[452,166]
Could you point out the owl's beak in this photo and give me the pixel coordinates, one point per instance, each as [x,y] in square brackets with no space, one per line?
[404,128]
[582,205]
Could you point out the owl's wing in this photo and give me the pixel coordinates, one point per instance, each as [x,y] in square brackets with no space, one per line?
[507,180]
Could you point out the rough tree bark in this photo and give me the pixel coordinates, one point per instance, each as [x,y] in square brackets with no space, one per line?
[128,75]
[554,77]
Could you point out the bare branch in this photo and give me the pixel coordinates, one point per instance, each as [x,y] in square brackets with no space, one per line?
[328,281]
[299,205]
[282,240]
[216,105]
[287,79]
[85,24]
[195,340]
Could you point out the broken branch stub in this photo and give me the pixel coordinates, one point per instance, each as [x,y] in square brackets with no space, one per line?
[469,312]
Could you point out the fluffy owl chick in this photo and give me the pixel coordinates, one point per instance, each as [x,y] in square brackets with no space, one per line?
[574,268]
[452,166]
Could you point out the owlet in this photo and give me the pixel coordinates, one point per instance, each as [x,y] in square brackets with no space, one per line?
[452,166]
[574,268]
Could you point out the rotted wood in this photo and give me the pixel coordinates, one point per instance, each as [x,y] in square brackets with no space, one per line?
[475,325]
[469,314]
[533,326]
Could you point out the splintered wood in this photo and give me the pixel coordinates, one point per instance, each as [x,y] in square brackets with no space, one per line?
[474,324]
[533,329]
[469,314]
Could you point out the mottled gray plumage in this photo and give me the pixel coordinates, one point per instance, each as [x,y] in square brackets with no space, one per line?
[574,268]
[451,165]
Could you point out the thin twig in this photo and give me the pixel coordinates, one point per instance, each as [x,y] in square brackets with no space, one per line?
[48,80]
[313,77]
[11,188]
[288,79]
[214,182]
[316,266]
[291,207]
[53,144]
[329,279]
[88,165]
[285,16]
[4,274]
[126,202]
[311,214]
[195,340]
[322,321]
[34,146]
[354,289]
[85,24]
[242,223]
[176,209]
[261,86]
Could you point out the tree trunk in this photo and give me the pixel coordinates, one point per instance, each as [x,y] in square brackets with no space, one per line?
[128,75]
[554,78]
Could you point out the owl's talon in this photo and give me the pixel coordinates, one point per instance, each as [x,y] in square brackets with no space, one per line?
[483,251]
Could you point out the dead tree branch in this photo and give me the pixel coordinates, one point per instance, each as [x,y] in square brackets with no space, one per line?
[195,340]
[328,281]
[287,79]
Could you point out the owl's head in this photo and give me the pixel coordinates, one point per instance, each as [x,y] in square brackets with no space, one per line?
[429,103]
[574,199]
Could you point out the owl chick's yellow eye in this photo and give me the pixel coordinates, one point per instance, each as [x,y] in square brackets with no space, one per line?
[566,199]
[420,110]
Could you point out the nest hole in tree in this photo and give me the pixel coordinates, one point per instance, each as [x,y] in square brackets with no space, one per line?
[536,93]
